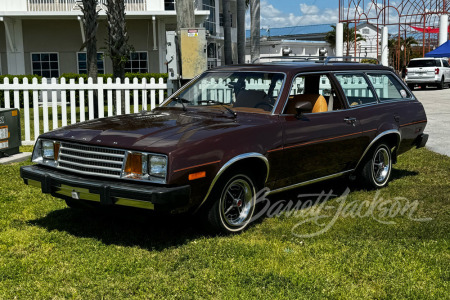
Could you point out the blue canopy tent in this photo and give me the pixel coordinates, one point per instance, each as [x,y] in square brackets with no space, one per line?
[441,51]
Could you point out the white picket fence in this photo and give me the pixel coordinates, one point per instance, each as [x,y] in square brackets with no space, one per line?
[62,97]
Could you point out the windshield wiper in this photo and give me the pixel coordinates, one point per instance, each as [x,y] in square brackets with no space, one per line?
[182,101]
[220,103]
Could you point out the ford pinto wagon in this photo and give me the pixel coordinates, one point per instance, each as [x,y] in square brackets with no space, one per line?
[211,146]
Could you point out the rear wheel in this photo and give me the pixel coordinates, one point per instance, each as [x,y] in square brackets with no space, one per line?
[440,85]
[233,204]
[377,168]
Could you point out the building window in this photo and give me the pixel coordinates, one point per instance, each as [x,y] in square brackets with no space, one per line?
[169,4]
[82,63]
[365,31]
[210,23]
[45,64]
[221,22]
[137,63]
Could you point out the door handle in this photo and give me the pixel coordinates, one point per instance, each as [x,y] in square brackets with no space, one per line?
[350,120]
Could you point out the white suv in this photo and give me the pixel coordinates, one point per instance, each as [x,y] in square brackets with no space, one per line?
[428,71]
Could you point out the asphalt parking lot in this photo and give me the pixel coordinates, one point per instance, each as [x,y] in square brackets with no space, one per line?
[437,107]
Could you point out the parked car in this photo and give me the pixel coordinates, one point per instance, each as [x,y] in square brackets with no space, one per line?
[428,71]
[211,146]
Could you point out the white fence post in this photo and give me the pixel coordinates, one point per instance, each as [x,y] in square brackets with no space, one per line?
[26,111]
[59,91]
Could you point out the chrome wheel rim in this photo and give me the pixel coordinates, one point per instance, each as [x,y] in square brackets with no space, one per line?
[237,203]
[381,165]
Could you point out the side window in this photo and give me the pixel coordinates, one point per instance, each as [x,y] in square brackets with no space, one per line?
[446,64]
[316,89]
[356,89]
[388,87]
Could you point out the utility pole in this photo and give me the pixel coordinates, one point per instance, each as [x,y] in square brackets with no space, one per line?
[255,15]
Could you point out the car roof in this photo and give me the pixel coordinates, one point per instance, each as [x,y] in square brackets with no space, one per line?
[303,66]
[426,58]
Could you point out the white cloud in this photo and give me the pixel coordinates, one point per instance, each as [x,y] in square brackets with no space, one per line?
[272,17]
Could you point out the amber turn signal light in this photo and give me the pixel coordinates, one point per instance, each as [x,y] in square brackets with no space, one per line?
[56,147]
[197,175]
[134,164]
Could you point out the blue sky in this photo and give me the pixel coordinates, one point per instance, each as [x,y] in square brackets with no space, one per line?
[283,13]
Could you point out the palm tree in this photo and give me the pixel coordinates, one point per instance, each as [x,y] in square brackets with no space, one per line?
[227,32]
[90,22]
[349,37]
[255,35]
[241,7]
[118,47]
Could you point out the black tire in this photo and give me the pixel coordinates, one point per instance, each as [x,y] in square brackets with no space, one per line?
[440,85]
[411,86]
[232,203]
[377,168]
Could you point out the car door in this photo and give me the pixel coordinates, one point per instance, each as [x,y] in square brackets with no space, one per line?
[319,144]
[446,70]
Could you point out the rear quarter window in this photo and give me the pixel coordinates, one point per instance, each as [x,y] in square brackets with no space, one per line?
[388,87]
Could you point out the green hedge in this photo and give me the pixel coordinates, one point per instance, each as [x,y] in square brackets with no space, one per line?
[131,76]
[11,95]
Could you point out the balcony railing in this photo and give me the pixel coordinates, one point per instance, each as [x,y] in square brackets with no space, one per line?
[71,5]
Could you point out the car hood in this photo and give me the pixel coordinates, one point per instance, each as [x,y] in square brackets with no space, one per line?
[160,130]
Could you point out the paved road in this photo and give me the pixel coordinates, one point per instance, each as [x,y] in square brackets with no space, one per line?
[437,107]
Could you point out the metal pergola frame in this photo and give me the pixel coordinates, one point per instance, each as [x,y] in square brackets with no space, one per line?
[417,13]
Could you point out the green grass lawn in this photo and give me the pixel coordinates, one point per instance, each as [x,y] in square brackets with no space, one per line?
[50,251]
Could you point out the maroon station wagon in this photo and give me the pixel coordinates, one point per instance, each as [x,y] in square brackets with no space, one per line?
[212,145]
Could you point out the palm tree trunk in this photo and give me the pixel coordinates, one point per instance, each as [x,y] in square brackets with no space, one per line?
[255,34]
[241,8]
[118,37]
[90,22]
[227,32]
[117,40]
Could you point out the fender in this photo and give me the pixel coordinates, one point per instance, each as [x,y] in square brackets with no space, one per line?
[377,138]
[230,163]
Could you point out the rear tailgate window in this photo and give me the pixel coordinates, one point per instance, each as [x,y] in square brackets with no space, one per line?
[422,63]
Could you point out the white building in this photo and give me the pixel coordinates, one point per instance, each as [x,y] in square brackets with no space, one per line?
[44,37]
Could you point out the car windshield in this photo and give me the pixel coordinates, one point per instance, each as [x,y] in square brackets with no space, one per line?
[240,91]
[422,63]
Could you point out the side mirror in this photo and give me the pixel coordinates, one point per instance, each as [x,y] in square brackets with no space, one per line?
[302,107]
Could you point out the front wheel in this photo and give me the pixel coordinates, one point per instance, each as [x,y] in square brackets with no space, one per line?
[377,168]
[234,204]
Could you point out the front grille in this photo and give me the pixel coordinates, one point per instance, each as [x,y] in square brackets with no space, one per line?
[91,160]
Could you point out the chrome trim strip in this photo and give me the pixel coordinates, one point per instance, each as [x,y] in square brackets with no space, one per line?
[230,163]
[391,131]
[94,152]
[118,169]
[89,159]
[91,173]
[286,188]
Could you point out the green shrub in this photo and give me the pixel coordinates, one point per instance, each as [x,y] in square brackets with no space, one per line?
[11,94]
[369,61]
